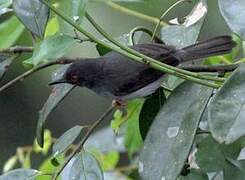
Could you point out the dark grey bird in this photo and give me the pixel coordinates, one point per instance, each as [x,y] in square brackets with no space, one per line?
[117,77]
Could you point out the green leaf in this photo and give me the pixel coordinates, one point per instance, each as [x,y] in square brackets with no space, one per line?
[234,170]
[102,50]
[186,33]
[5,61]
[108,161]
[117,121]
[47,143]
[149,110]
[234,15]
[51,48]
[5,4]
[52,27]
[47,167]
[211,156]
[79,9]
[133,141]
[226,115]
[10,163]
[63,142]
[85,166]
[172,133]
[59,92]
[19,174]
[10,31]
[33,13]
[195,175]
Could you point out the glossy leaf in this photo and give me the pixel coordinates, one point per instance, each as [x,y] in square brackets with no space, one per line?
[48,167]
[112,142]
[51,48]
[209,156]
[212,156]
[83,166]
[108,161]
[133,140]
[170,138]
[10,31]
[5,61]
[186,33]
[33,13]
[63,142]
[234,170]
[234,15]
[149,110]
[48,141]
[79,9]
[52,27]
[59,92]
[19,174]
[226,115]
[5,4]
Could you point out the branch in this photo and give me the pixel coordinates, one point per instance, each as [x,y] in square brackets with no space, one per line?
[164,14]
[82,142]
[18,49]
[213,68]
[35,69]
[145,30]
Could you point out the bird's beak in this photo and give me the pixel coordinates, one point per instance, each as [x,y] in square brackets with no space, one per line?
[59,81]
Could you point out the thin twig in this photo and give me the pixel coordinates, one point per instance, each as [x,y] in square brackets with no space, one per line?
[145,30]
[164,14]
[18,49]
[212,68]
[35,69]
[82,142]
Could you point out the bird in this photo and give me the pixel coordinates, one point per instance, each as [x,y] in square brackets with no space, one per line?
[116,77]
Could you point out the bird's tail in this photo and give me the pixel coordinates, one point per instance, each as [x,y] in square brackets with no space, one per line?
[211,47]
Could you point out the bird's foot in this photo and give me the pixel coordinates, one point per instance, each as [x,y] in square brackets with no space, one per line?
[118,103]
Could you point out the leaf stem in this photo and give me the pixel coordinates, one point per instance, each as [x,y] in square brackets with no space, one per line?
[35,69]
[82,142]
[164,14]
[17,49]
[143,29]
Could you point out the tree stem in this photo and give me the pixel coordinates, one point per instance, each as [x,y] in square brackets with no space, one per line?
[82,142]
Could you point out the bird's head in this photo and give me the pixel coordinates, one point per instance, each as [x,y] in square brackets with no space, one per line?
[75,74]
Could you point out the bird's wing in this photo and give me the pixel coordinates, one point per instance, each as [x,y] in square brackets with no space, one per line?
[123,76]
